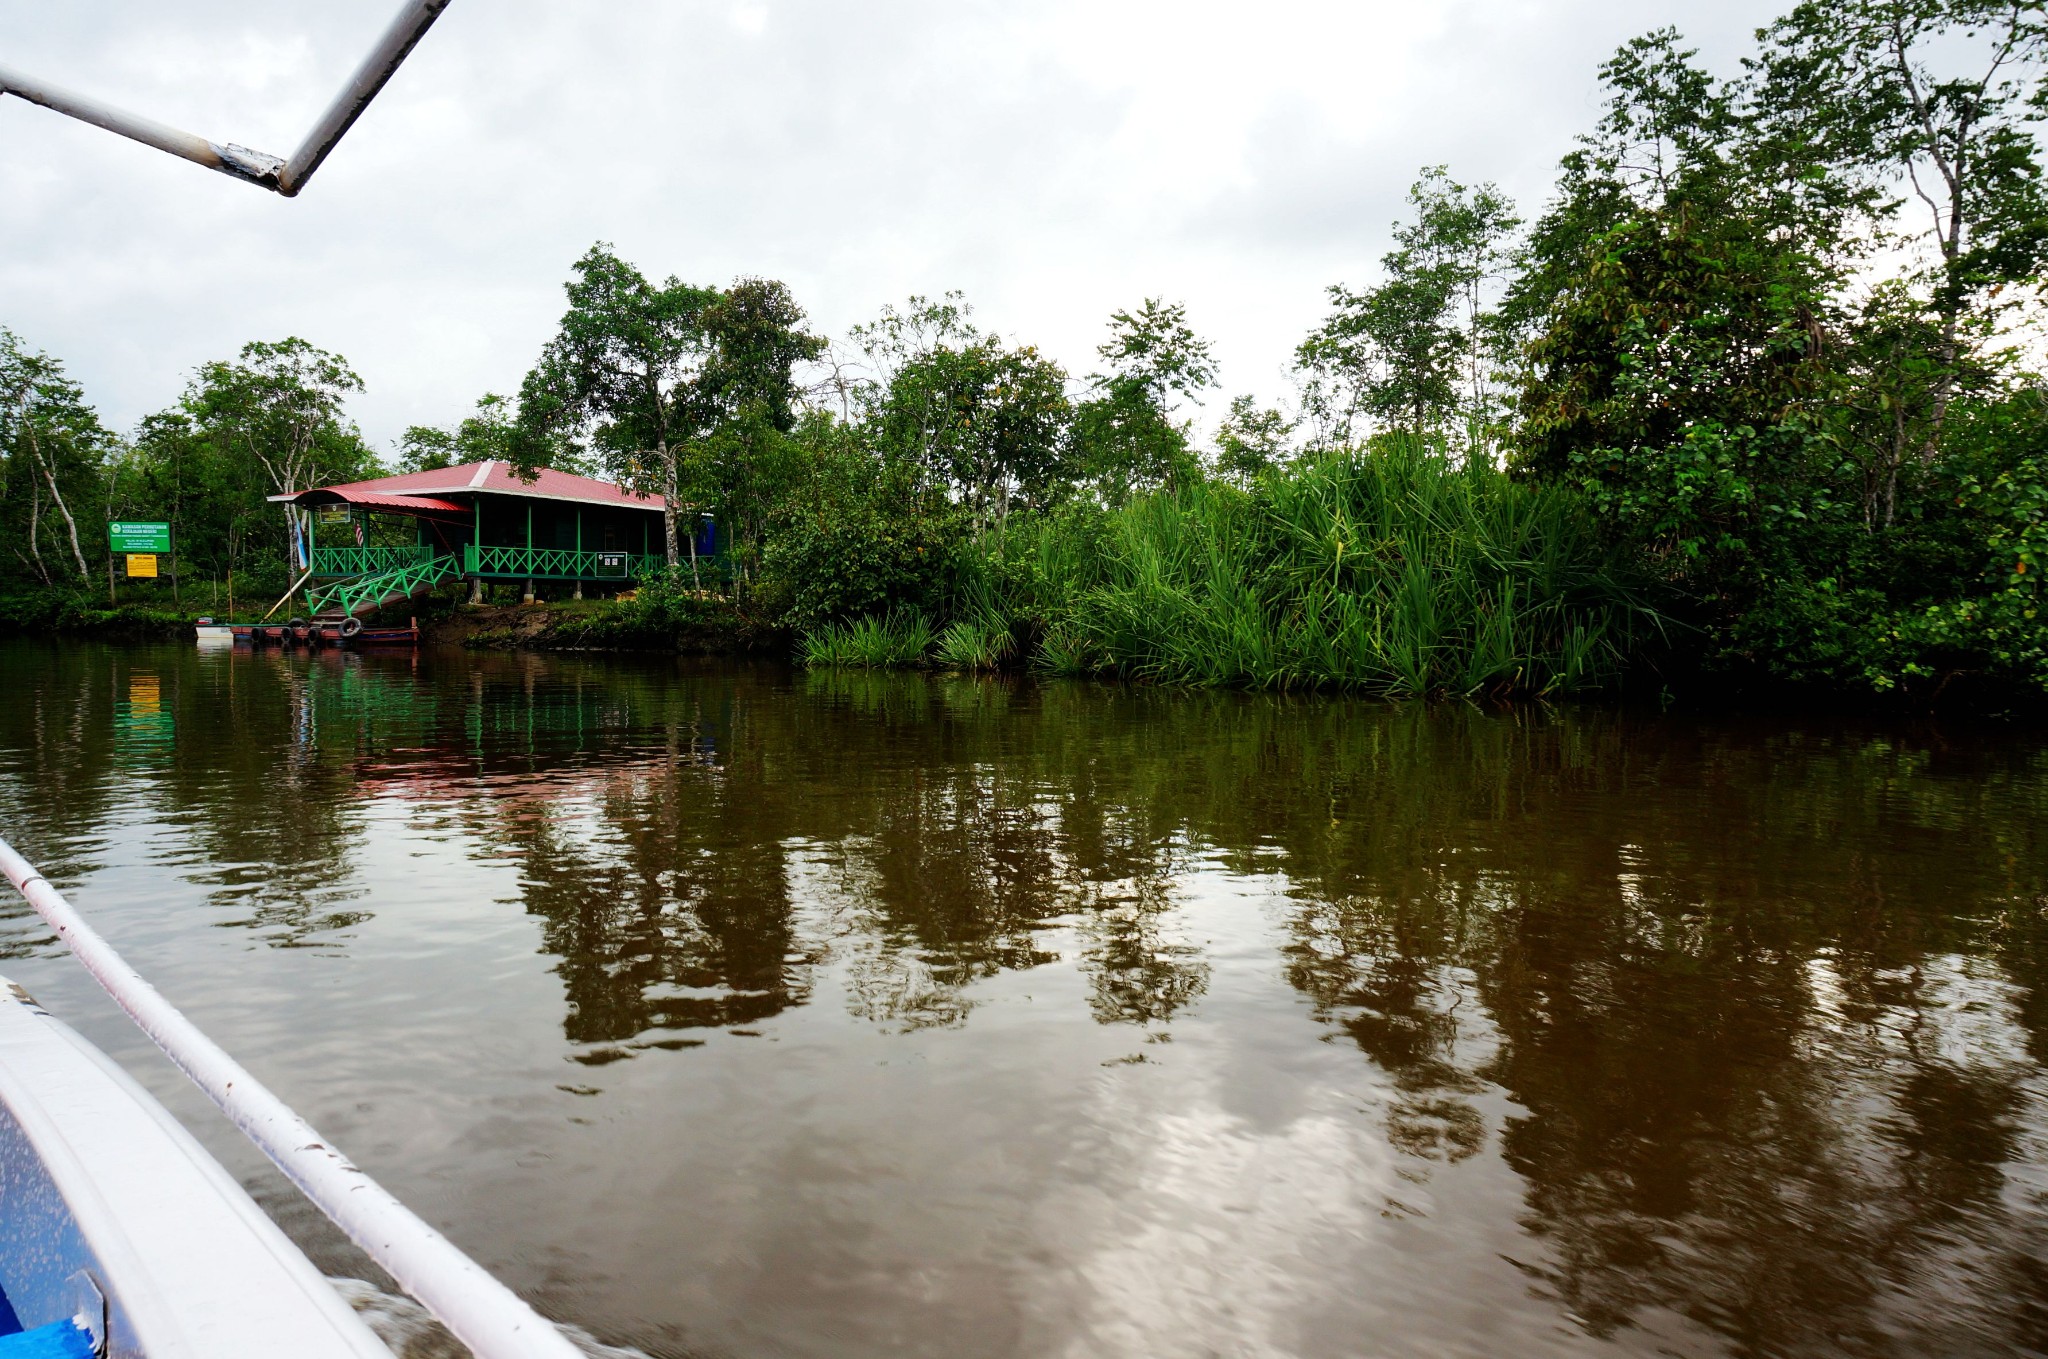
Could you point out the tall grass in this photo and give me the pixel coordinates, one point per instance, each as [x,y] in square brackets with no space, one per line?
[899,639]
[1389,570]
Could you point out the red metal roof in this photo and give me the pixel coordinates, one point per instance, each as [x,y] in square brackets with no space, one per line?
[404,504]
[496,478]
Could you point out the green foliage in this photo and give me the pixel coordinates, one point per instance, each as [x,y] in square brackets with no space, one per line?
[1412,353]
[1125,436]
[983,641]
[493,434]
[899,639]
[618,371]
[53,446]
[863,557]
[1251,440]
[1388,570]
[1757,368]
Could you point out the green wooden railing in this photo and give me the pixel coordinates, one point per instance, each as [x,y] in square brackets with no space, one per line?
[348,596]
[547,563]
[368,561]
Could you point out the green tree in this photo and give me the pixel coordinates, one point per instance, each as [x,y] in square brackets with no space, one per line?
[1125,435]
[986,421]
[967,415]
[621,370]
[1415,352]
[54,449]
[271,422]
[1251,440]
[1941,93]
[493,433]
[743,405]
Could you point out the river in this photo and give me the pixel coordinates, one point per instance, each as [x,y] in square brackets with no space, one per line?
[725,1009]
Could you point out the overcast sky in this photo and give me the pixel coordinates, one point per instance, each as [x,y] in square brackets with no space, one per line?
[1053,160]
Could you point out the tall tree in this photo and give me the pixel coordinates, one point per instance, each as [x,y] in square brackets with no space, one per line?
[743,403]
[1414,351]
[1251,440]
[621,370]
[53,442]
[985,421]
[491,433]
[1941,94]
[1125,434]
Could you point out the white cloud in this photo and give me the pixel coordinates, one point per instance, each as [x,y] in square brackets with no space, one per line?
[1054,159]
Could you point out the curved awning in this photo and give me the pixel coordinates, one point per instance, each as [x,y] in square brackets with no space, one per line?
[418,506]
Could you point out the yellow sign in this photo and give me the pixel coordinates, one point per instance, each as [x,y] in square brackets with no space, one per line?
[141,565]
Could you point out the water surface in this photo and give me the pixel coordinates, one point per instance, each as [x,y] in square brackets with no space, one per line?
[728,1010]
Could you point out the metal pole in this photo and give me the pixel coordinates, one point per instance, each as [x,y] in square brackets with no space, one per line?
[484,1314]
[254,167]
[404,33]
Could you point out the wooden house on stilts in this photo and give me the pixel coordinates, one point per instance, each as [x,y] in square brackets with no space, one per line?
[368,543]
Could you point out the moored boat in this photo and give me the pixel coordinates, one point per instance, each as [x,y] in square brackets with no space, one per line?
[315,632]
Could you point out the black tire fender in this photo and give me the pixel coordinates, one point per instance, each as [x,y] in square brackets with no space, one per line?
[351,625]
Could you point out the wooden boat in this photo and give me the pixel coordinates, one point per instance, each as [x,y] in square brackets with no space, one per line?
[322,632]
[121,1236]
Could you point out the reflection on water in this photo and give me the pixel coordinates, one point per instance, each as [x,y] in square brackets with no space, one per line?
[728,1010]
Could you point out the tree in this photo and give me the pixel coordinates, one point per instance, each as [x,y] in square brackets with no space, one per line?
[1942,93]
[743,402]
[1414,351]
[964,414]
[1125,435]
[273,422]
[620,369]
[492,433]
[53,444]
[986,422]
[1251,440]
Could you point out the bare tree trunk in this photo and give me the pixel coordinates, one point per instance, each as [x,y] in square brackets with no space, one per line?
[35,528]
[670,492]
[35,449]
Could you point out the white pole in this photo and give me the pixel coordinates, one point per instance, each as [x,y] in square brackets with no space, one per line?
[256,167]
[484,1314]
[239,161]
[400,37]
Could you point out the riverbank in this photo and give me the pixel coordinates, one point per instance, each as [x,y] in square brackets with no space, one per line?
[677,626]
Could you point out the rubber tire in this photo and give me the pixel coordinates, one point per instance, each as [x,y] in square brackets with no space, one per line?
[350,626]
[296,623]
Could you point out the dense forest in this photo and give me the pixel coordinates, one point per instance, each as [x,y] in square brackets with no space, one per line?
[1752,402]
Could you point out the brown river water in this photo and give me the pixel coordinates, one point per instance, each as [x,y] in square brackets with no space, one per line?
[729,1010]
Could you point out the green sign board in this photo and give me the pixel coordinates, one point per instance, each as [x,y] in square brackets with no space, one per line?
[611,566]
[135,537]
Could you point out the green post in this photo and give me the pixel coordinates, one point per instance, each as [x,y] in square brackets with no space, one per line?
[529,552]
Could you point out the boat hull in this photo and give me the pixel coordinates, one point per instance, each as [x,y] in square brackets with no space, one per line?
[319,634]
[111,1211]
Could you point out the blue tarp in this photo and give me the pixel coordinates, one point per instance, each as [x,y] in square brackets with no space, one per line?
[58,1340]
